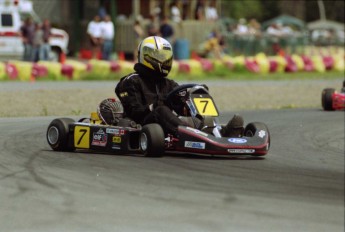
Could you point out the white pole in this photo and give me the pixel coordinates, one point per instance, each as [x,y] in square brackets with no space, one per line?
[321,9]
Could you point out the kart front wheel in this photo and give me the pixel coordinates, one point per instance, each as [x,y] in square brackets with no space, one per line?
[327,99]
[151,140]
[58,136]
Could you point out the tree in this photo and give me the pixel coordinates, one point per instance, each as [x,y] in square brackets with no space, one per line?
[242,9]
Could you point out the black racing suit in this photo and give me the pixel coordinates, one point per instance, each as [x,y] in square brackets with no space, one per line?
[138,90]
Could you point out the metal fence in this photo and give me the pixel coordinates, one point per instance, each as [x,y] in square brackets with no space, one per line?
[196,32]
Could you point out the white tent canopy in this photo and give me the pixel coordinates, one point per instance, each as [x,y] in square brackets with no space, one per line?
[326,25]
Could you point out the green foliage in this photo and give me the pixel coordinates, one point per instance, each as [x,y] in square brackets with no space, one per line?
[242,9]
[270,9]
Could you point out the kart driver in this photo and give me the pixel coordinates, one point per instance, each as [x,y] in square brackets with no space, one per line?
[142,93]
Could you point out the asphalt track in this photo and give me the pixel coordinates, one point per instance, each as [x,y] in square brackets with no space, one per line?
[298,186]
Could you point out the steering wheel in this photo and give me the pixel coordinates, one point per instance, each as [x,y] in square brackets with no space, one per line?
[175,101]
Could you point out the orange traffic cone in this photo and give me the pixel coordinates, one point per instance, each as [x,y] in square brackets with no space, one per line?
[62,58]
[32,77]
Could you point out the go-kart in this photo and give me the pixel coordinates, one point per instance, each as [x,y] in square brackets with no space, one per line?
[332,100]
[125,137]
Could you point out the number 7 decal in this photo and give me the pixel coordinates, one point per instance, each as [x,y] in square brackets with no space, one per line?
[205,106]
[82,137]
[83,131]
[206,102]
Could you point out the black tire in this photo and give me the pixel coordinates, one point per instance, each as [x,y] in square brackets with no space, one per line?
[152,140]
[58,134]
[326,99]
[253,128]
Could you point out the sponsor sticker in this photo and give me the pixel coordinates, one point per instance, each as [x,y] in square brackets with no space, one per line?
[99,138]
[262,133]
[196,145]
[113,131]
[116,139]
[193,111]
[237,140]
[241,151]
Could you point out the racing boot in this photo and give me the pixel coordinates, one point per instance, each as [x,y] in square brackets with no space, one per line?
[234,128]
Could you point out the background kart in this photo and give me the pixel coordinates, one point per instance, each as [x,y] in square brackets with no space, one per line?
[191,102]
[333,100]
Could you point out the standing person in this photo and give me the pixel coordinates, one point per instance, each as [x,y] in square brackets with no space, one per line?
[27,33]
[142,93]
[211,13]
[37,43]
[151,26]
[139,34]
[166,30]
[45,47]
[200,10]
[108,32]
[94,30]
[175,12]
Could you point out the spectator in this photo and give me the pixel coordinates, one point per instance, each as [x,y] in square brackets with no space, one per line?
[254,28]
[157,12]
[275,34]
[214,46]
[37,43]
[152,29]
[27,33]
[274,30]
[200,10]
[166,30]
[139,34]
[108,33]
[94,30]
[45,47]
[287,30]
[175,12]
[242,28]
[211,13]
[185,9]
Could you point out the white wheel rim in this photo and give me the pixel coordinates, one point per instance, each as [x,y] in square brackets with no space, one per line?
[143,142]
[53,135]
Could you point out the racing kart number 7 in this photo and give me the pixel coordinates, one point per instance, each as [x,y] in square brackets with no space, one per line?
[82,137]
[205,106]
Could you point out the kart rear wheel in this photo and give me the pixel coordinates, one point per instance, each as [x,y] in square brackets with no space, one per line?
[152,140]
[327,99]
[256,127]
[58,136]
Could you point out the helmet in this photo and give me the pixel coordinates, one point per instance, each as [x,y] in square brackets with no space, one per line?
[110,111]
[156,53]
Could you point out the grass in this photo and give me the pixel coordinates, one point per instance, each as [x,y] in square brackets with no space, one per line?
[270,76]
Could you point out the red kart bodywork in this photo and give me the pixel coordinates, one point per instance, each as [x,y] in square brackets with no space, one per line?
[333,100]
[338,101]
[192,140]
